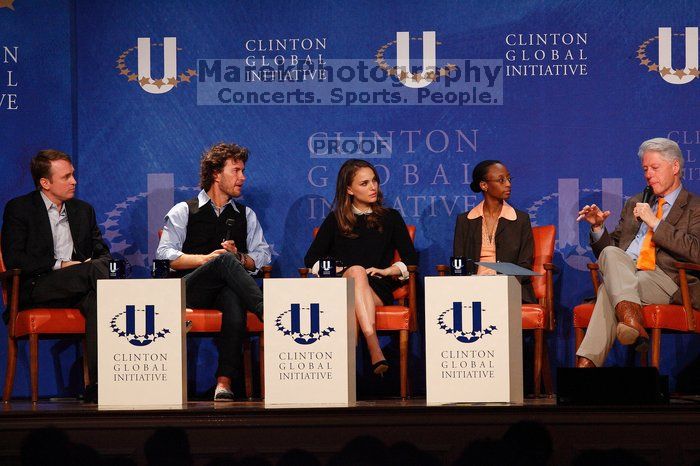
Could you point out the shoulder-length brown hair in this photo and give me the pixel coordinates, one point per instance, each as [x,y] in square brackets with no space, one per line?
[342,204]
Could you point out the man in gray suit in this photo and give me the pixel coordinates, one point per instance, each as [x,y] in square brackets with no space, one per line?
[636,260]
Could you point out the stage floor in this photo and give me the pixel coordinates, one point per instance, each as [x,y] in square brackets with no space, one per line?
[664,435]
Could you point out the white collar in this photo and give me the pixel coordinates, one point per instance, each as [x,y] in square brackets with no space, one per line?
[203,198]
[357,211]
[48,203]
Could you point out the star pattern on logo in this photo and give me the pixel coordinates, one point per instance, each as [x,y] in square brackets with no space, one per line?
[112,233]
[430,75]
[457,334]
[651,66]
[135,339]
[299,337]
[143,80]
[7,4]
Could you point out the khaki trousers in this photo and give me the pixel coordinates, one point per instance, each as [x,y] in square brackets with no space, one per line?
[622,282]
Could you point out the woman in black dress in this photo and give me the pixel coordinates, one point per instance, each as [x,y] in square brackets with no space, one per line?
[363,234]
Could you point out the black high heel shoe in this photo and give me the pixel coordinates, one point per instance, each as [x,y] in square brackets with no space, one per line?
[380,367]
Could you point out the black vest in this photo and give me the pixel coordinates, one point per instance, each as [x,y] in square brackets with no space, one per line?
[206,231]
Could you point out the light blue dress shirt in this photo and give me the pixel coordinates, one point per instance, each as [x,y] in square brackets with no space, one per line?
[175,232]
[636,244]
[60,231]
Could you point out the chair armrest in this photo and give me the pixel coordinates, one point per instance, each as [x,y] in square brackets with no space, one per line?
[442,269]
[683,268]
[548,301]
[304,272]
[10,273]
[412,297]
[594,268]
[687,266]
[267,271]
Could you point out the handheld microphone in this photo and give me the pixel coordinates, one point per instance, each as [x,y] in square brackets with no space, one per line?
[229,229]
[647,196]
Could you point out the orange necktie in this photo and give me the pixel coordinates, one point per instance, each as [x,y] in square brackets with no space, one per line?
[647,253]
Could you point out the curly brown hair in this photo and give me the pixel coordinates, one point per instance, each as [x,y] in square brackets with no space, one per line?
[214,159]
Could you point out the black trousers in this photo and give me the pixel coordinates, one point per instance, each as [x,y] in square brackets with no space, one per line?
[224,284]
[74,286]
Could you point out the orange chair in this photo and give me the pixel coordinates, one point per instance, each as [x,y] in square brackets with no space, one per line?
[401,317]
[33,324]
[538,317]
[209,321]
[673,318]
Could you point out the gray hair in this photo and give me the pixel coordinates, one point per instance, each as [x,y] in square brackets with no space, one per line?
[668,149]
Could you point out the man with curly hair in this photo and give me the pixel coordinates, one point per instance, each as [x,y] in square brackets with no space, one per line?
[217,244]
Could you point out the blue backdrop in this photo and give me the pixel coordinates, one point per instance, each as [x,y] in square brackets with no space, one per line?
[578,89]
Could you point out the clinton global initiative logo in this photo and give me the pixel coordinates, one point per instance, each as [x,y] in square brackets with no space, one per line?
[290,323]
[561,208]
[456,326]
[138,325]
[170,79]
[664,66]
[430,73]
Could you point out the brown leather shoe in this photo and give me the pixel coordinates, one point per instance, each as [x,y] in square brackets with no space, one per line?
[584,363]
[629,327]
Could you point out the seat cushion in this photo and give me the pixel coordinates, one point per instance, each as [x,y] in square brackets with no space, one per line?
[254,324]
[533,316]
[392,318]
[668,316]
[204,320]
[45,320]
[582,315]
[209,321]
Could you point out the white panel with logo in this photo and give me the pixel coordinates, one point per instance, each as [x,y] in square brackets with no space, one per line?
[309,341]
[473,333]
[141,344]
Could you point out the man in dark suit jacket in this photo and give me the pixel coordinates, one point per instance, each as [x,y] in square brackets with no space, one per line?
[636,260]
[54,239]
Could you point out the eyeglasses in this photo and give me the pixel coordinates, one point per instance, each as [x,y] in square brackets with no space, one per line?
[502,180]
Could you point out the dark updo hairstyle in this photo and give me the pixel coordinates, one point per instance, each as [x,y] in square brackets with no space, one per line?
[479,173]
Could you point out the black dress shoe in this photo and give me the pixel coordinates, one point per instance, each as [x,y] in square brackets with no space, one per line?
[90,395]
[380,367]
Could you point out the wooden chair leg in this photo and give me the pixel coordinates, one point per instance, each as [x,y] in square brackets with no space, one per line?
[547,372]
[34,365]
[644,359]
[579,334]
[403,355]
[655,347]
[537,373]
[11,366]
[247,368]
[261,355]
[86,371]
